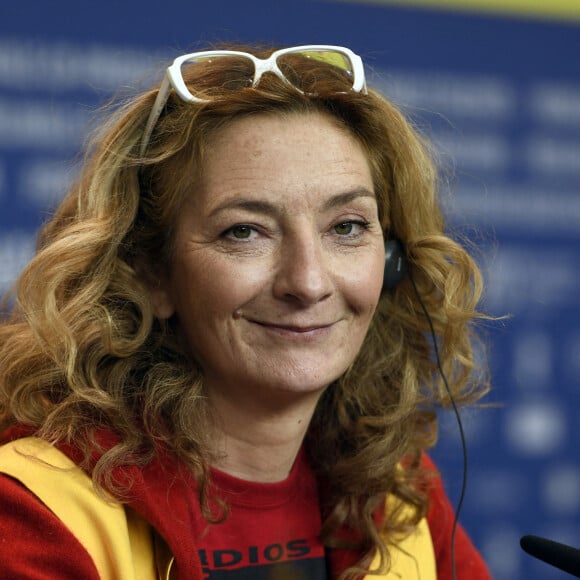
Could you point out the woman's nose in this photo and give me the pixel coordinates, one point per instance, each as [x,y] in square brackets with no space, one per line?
[303,271]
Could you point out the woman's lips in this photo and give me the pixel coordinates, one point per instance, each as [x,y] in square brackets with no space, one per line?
[298,331]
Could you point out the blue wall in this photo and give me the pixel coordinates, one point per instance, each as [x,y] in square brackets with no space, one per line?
[501,98]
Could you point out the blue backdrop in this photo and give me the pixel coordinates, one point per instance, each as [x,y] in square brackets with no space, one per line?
[501,98]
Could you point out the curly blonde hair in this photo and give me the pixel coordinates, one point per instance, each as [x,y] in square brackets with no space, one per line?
[81,349]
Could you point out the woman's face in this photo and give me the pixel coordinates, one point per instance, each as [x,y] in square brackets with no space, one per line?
[279,257]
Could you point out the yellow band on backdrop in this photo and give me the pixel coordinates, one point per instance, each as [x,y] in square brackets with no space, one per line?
[549,9]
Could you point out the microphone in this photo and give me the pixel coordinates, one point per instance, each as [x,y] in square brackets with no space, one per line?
[565,558]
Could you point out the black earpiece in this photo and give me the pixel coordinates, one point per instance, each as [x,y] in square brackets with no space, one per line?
[395,264]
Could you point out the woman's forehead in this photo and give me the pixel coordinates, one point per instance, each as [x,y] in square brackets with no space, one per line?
[275,156]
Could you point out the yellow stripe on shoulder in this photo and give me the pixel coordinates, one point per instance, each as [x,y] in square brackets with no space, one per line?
[412,556]
[118,540]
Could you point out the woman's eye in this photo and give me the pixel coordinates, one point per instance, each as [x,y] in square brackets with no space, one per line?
[241,232]
[343,229]
[350,227]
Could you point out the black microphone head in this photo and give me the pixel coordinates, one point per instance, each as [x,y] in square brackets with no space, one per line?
[565,558]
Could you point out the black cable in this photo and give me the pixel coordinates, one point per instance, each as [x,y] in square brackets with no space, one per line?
[459,424]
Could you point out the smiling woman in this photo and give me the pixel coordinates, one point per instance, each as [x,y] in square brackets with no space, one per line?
[286,277]
[204,341]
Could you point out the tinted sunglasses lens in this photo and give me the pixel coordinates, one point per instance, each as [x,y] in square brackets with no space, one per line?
[317,71]
[218,74]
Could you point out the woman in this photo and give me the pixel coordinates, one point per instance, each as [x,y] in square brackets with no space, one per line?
[205,336]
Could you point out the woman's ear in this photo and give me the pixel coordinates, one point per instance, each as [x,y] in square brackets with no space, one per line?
[161,301]
[158,287]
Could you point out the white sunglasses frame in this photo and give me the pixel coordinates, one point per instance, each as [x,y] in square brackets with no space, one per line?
[174,80]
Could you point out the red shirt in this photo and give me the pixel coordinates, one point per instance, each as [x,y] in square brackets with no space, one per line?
[271,526]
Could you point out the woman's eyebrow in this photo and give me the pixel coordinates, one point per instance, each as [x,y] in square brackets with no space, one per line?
[346,197]
[252,205]
[270,208]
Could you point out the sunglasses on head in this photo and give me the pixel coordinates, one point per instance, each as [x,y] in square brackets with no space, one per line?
[245,70]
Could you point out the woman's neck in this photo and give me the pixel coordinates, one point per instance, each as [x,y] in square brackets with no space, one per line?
[259,442]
